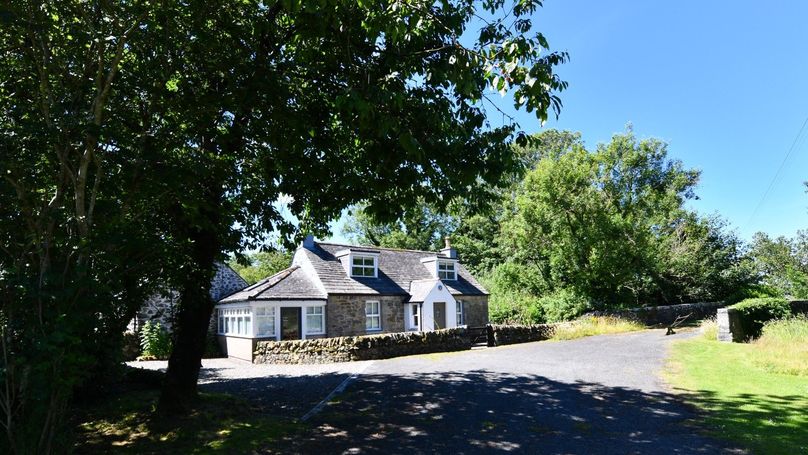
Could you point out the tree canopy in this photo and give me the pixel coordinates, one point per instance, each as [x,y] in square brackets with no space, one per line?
[141,143]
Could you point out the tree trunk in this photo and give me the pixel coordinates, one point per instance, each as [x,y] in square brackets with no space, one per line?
[192,318]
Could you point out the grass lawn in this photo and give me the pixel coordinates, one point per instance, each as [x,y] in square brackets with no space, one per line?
[745,399]
[594,325]
[220,424]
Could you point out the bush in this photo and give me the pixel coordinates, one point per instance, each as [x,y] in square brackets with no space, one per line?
[754,291]
[754,313]
[155,341]
[563,305]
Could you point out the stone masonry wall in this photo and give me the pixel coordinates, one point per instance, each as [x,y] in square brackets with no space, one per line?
[345,314]
[667,314]
[368,347]
[732,329]
[160,308]
[476,308]
[512,334]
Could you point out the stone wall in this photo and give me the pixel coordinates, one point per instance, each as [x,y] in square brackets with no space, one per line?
[512,334]
[345,314]
[667,314]
[799,306]
[160,308]
[476,308]
[732,329]
[368,347]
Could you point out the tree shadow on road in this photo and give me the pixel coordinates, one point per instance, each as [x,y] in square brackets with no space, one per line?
[482,411]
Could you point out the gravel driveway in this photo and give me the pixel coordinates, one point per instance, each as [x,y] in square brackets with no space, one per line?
[596,395]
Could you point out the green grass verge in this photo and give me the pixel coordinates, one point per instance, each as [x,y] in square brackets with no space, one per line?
[783,348]
[594,325]
[219,424]
[743,401]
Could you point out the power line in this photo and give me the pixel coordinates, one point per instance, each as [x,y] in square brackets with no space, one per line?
[780,169]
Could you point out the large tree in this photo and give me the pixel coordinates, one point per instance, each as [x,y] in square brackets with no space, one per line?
[144,139]
[611,226]
[781,263]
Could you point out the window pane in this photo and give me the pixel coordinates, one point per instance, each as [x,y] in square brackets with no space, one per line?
[314,324]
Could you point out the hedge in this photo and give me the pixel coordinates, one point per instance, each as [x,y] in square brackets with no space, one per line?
[756,312]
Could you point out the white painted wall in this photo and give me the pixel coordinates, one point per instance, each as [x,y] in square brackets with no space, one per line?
[439,293]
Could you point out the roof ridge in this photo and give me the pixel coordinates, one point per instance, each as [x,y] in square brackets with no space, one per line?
[263,281]
[376,247]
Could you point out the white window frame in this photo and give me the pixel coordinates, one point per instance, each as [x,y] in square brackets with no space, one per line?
[370,316]
[414,316]
[460,314]
[447,270]
[363,266]
[235,322]
[317,311]
[269,315]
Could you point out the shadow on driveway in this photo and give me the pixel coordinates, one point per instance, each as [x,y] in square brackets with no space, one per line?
[481,411]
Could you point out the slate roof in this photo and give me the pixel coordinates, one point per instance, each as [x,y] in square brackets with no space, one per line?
[419,289]
[401,272]
[397,270]
[289,284]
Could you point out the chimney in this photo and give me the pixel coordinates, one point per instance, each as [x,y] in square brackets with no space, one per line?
[447,250]
[308,242]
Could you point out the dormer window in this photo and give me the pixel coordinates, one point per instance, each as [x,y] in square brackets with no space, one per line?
[363,266]
[446,270]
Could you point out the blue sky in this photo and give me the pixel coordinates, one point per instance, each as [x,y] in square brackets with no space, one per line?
[724,83]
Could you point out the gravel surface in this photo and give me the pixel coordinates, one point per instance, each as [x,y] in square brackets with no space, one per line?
[596,395]
[286,390]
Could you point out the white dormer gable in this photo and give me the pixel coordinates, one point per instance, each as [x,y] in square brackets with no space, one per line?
[359,262]
[441,267]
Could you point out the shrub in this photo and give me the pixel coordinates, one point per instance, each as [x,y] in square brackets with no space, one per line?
[754,291]
[756,312]
[563,305]
[155,341]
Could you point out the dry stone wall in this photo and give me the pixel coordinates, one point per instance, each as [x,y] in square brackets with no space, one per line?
[368,347]
[512,334]
[667,314]
[731,327]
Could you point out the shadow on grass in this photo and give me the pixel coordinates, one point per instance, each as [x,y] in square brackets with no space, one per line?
[766,423]
[220,423]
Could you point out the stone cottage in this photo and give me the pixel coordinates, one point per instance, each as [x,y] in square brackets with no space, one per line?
[334,290]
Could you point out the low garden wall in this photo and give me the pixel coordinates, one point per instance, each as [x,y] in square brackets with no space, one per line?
[799,306]
[512,334]
[738,326]
[666,314]
[368,347]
